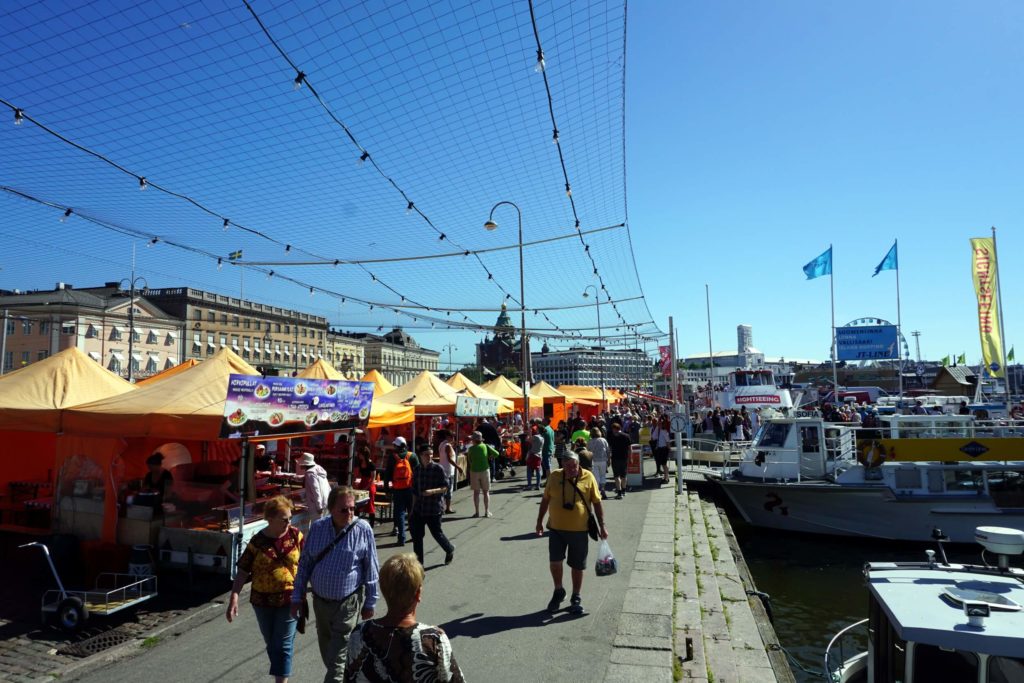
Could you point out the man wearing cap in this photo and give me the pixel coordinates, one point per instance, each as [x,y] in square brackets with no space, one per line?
[568,496]
[400,473]
[480,455]
[316,486]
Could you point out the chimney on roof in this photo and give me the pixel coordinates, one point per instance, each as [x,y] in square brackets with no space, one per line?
[63,285]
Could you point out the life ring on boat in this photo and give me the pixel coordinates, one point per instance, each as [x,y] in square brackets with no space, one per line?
[872,455]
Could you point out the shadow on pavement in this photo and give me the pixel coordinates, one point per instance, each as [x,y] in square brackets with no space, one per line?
[522,537]
[477,625]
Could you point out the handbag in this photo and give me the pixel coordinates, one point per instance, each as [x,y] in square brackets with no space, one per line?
[593,528]
[300,624]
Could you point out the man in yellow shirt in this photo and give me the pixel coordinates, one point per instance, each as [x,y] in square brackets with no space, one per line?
[568,496]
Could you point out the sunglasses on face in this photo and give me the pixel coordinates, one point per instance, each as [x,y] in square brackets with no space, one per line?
[350,508]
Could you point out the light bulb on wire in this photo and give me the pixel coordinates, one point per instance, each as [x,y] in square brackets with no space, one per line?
[67,214]
[541,64]
[408,209]
[554,137]
[363,157]
[227,223]
[143,184]
[299,78]
[19,117]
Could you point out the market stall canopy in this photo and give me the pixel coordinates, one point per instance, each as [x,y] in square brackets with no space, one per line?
[31,399]
[575,392]
[189,405]
[468,387]
[321,369]
[169,372]
[381,384]
[545,390]
[505,388]
[426,392]
[384,414]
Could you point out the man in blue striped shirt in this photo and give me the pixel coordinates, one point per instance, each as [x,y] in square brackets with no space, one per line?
[339,561]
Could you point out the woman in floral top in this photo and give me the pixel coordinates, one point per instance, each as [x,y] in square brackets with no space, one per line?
[396,647]
[271,559]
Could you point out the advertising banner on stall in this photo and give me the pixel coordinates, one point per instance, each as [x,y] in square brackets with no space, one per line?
[871,342]
[267,406]
[666,360]
[983,268]
[468,406]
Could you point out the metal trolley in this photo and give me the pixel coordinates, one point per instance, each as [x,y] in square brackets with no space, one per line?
[69,609]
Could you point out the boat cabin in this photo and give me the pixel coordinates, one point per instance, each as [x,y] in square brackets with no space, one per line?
[753,389]
[934,622]
[802,446]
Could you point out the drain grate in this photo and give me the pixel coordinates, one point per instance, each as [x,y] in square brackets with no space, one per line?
[96,644]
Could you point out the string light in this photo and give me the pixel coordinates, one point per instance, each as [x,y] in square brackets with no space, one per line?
[19,117]
[408,209]
[270,275]
[226,223]
[142,183]
[442,237]
[220,263]
[67,214]
[363,157]
[153,241]
[299,78]
[287,248]
[310,292]
[568,190]
[541,64]
[554,138]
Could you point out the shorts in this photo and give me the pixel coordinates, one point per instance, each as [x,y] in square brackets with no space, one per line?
[619,467]
[576,542]
[480,481]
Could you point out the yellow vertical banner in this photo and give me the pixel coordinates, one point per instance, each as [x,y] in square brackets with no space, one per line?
[983,270]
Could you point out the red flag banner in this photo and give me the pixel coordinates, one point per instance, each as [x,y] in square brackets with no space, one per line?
[666,360]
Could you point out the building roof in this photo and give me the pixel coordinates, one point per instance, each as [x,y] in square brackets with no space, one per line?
[961,374]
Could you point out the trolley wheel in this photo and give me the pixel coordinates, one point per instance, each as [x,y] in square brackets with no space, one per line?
[71,614]
[499,474]
[511,472]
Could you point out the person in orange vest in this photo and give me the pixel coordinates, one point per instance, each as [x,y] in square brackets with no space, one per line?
[400,469]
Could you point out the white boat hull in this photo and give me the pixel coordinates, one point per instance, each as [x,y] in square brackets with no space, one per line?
[865,511]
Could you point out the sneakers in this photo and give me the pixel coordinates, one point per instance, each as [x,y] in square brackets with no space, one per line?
[449,556]
[488,514]
[556,599]
[576,606]
[476,514]
[618,495]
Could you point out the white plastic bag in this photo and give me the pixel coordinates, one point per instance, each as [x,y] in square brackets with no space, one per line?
[606,562]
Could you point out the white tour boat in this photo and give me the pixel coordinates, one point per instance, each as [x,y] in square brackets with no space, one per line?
[753,389]
[897,481]
[933,621]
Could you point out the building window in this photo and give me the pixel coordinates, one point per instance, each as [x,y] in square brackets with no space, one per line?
[211,317]
[224,318]
[44,327]
[92,332]
[234,343]
[115,333]
[10,327]
[305,332]
[8,360]
[247,324]
[26,327]
[277,327]
[114,365]
[43,355]
[67,327]
[223,341]
[197,314]
[287,329]
[151,365]
[234,320]
[256,325]
[151,338]
[197,342]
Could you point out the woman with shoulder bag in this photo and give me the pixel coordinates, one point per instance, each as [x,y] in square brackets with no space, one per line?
[271,560]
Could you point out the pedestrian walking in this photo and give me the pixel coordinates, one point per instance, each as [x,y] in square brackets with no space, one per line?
[480,455]
[619,444]
[450,465]
[568,496]
[401,467]
[365,479]
[659,438]
[339,563]
[583,453]
[429,484]
[549,447]
[600,453]
[534,459]
[315,487]
[271,560]
[397,647]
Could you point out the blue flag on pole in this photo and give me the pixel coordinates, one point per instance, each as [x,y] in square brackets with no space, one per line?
[890,262]
[819,266]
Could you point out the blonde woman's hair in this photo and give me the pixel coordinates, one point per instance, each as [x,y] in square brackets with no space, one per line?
[275,506]
[400,577]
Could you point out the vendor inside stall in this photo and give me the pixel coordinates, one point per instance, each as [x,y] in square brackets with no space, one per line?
[158,481]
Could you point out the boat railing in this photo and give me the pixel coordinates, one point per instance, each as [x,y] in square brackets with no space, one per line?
[842,641]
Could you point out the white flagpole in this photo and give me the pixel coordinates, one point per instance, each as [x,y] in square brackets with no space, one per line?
[1002,314]
[832,296]
[899,319]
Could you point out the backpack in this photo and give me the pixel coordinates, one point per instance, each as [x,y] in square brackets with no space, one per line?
[401,478]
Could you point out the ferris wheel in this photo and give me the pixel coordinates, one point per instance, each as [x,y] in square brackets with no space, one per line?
[871,322]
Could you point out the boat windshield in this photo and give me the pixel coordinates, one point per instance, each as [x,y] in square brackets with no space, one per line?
[932,663]
[758,378]
[1005,669]
[773,434]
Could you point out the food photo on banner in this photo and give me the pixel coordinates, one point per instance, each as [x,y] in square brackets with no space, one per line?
[268,406]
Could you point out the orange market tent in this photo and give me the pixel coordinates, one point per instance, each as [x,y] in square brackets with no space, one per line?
[320,369]
[31,400]
[468,387]
[555,402]
[169,372]
[426,392]
[505,388]
[586,399]
[381,384]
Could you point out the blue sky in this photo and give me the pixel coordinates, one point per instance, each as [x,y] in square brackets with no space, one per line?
[759,133]
[756,134]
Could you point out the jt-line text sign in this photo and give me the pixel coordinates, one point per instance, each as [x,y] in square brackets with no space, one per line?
[866,343]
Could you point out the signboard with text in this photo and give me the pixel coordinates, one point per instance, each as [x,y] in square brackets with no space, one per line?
[874,342]
[468,406]
[267,406]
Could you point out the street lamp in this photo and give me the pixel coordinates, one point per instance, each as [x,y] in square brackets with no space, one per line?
[491,225]
[600,357]
[450,348]
[132,285]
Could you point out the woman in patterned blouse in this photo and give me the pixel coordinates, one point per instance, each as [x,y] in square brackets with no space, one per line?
[271,559]
[396,647]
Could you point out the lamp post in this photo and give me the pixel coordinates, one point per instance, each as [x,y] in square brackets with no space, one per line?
[525,347]
[600,351]
[132,285]
[450,348]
